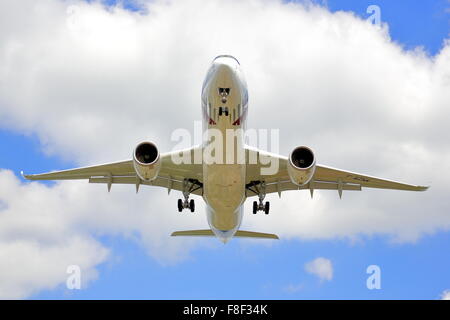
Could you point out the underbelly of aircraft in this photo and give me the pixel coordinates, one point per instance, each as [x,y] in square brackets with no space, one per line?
[224,193]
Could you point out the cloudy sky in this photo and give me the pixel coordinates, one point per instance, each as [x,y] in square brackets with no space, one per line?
[84,82]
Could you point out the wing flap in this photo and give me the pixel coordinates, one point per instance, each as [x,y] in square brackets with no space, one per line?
[160,181]
[286,185]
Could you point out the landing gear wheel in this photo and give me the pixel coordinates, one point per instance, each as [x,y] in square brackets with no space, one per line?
[255,207]
[220,111]
[189,186]
[267,207]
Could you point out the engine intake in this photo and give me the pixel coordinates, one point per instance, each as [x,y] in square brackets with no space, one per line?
[301,165]
[146,161]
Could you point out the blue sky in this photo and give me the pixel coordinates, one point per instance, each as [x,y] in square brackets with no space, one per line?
[241,270]
[411,23]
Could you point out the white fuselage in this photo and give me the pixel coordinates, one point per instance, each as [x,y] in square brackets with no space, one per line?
[224,104]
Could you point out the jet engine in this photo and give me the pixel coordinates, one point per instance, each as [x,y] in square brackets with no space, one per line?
[301,165]
[146,161]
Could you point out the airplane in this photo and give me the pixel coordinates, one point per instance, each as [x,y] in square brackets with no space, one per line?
[224,185]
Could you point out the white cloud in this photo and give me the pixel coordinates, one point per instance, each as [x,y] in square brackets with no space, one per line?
[320,267]
[92,83]
[45,229]
[293,288]
[38,240]
[445,295]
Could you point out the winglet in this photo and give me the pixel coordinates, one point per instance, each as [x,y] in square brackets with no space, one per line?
[25,176]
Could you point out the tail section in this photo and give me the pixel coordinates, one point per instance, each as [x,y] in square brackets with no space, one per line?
[239,234]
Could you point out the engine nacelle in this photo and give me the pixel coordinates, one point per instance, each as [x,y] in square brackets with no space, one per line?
[146,161]
[301,165]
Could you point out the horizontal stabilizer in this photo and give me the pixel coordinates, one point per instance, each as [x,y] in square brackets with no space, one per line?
[210,233]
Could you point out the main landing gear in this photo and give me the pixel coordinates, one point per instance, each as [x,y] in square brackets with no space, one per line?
[186,204]
[260,189]
[261,207]
[189,186]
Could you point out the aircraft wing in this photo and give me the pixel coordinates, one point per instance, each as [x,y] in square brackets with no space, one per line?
[170,176]
[325,178]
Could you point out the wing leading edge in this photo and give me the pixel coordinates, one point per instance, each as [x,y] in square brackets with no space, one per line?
[171,175]
[325,178]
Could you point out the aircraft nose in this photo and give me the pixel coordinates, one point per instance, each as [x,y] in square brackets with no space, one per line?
[225,74]
[225,70]
[226,65]
[226,57]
